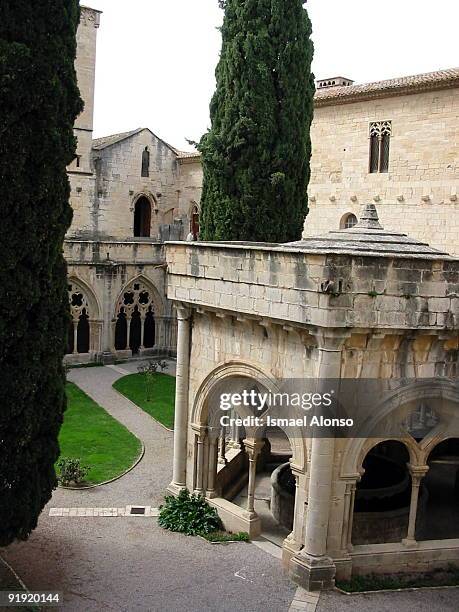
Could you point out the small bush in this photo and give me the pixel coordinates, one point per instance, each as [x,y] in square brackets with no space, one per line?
[189,514]
[71,470]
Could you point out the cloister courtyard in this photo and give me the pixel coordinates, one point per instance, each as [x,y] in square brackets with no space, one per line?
[91,548]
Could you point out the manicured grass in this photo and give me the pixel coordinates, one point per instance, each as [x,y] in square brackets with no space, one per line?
[89,433]
[160,404]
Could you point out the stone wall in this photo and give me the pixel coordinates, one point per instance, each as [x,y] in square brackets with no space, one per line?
[419,195]
[102,271]
[282,283]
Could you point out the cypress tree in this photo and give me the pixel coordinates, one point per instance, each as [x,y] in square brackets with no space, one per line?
[39,102]
[256,154]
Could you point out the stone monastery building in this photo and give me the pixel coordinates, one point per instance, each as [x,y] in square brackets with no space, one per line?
[369,295]
[394,143]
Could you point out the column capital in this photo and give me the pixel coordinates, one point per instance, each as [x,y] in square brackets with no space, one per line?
[183,311]
[330,339]
[200,430]
[418,471]
[253,447]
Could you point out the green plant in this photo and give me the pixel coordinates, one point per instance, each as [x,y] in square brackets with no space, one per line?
[223,536]
[71,470]
[148,371]
[256,154]
[39,102]
[188,513]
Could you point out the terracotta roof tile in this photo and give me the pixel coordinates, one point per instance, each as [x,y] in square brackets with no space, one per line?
[408,84]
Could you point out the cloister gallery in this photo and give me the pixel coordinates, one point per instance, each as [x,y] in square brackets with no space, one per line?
[358,304]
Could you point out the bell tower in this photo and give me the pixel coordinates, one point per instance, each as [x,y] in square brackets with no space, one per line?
[85,66]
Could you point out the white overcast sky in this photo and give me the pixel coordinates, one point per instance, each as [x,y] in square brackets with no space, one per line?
[156,58]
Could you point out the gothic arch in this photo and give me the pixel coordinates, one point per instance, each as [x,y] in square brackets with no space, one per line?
[85,317]
[149,196]
[136,311]
[144,206]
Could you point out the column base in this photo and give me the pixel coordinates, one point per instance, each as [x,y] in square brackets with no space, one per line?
[290,548]
[410,543]
[175,488]
[313,573]
[107,358]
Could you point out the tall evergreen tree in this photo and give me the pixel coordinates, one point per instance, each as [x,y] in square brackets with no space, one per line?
[256,155]
[39,101]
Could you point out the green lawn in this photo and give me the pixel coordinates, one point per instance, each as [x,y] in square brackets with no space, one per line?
[162,395]
[89,433]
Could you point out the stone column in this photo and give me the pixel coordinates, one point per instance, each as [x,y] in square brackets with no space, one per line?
[253,448]
[142,332]
[222,447]
[200,441]
[348,513]
[235,441]
[128,341]
[417,474]
[312,568]
[212,469]
[108,337]
[181,400]
[75,337]
[293,542]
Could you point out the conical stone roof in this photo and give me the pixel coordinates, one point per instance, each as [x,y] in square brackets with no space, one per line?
[368,237]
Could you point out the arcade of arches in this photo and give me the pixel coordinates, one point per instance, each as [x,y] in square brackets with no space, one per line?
[402,492]
[136,322]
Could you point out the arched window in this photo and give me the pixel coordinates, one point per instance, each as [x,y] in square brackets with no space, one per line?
[146,163]
[79,336]
[194,222]
[135,319]
[348,221]
[380,135]
[142,218]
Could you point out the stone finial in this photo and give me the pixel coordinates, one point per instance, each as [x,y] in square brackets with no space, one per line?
[369,218]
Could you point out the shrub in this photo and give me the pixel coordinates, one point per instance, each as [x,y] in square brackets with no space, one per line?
[188,513]
[71,470]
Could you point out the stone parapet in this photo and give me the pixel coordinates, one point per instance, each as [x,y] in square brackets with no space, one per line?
[326,290]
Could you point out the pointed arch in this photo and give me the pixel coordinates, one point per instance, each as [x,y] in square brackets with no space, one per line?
[194,217]
[144,204]
[84,311]
[136,310]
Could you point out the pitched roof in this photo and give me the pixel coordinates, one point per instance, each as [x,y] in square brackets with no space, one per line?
[98,144]
[188,154]
[107,141]
[382,89]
